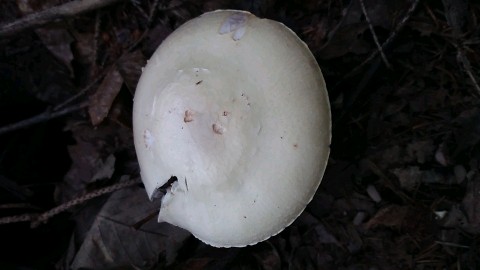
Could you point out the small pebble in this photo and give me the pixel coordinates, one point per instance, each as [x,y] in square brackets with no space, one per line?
[373,193]
[359,218]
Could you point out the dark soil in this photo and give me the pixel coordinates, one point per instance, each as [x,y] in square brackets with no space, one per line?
[401,190]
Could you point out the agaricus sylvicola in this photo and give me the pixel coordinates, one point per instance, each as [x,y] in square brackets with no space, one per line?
[236,108]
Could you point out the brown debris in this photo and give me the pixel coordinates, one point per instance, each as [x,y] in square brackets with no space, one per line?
[402,187]
[102,100]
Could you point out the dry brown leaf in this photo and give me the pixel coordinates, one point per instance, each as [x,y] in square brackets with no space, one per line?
[84,48]
[409,177]
[112,242]
[130,67]
[106,168]
[93,156]
[391,216]
[471,203]
[58,41]
[102,99]
[85,158]
[415,221]
[55,37]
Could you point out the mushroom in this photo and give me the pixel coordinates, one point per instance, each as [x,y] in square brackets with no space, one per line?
[236,108]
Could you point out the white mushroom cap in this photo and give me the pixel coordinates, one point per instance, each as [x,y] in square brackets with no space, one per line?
[236,108]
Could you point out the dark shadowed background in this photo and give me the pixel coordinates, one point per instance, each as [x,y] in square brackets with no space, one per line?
[401,191]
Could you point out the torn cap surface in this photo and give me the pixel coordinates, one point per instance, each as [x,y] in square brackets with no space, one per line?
[236,108]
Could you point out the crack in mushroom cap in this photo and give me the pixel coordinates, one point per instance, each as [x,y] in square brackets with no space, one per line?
[236,108]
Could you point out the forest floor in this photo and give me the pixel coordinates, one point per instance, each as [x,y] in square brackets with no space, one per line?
[401,189]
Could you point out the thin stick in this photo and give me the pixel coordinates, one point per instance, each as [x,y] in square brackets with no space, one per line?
[468,69]
[153,11]
[16,219]
[63,207]
[58,12]
[96,36]
[18,206]
[81,92]
[387,42]
[346,12]
[375,38]
[451,244]
[151,16]
[57,111]
[43,117]
[137,5]
[38,219]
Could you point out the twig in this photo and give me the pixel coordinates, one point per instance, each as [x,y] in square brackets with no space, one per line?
[137,5]
[18,205]
[38,219]
[16,219]
[468,68]
[153,11]
[96,36]
[80,93]
[58,12]
[375,38]
[346,12]
[151,16]
[387,182]
[387,42]
[451,244]
[63,207]
[57,111]
[43,117]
